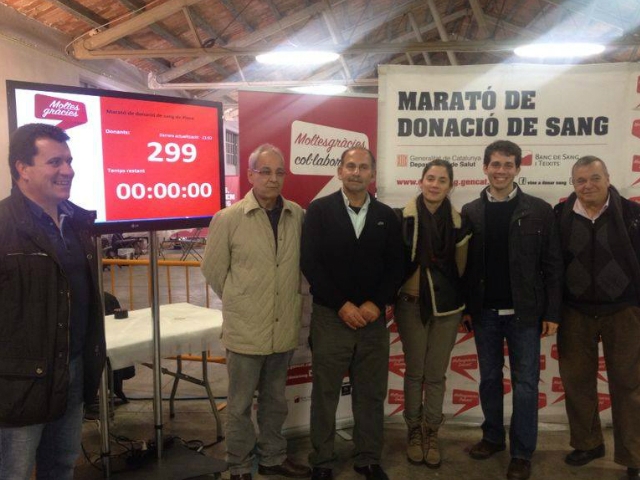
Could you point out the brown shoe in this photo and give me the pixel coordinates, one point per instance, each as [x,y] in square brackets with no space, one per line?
[484,449]
[415,454]
[286,469]
[519,469]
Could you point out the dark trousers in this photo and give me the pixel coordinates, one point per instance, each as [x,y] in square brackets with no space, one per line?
[578,339]
[364,354]
[523,342]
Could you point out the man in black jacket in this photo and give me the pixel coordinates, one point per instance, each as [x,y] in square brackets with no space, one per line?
[600,235]
[52,346]
[352,255]
[514,289]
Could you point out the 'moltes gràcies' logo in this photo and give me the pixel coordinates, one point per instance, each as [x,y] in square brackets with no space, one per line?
[69,112]
[316,149]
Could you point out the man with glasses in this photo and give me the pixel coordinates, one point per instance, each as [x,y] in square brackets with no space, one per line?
[514,285]
[352,255]
[252,261]
[600,235]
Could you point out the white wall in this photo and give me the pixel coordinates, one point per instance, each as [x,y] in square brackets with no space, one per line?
[31,52]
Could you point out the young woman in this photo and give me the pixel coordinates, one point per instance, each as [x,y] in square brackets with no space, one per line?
[429,306]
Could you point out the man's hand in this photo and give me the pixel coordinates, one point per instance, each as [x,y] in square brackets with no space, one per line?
[467,322]
[350,314]
[549,328]
[369,311]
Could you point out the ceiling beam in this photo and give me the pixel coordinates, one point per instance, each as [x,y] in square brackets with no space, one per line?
[80,11]
[215,53]
[136,23]
[441,30]
[275,83]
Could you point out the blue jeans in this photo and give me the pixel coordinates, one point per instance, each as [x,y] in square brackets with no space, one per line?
[268,375]
[52,448]
[523,342]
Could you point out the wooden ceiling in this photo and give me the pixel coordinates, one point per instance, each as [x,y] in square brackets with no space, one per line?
[207,47]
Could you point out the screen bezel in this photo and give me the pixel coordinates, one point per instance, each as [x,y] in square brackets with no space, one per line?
[134,225]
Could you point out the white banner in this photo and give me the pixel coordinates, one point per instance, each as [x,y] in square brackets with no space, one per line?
[556,113]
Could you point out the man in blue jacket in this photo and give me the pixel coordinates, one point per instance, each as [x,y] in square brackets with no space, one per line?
[52,347]
[352,255]
[514,291]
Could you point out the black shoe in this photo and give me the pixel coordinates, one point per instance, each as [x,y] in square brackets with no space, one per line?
[582,457]
[484,449]
[519,469]
[286,469]
[633,472]
[372,472]
[319,473]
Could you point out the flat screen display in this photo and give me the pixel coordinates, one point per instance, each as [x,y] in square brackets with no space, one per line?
[142,162]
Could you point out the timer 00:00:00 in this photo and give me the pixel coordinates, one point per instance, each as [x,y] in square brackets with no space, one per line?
[138,191]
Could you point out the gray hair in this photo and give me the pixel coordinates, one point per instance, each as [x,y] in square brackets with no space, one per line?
[588,160]
[265,147]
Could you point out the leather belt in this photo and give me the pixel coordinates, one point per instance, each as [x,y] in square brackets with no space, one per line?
[405,297]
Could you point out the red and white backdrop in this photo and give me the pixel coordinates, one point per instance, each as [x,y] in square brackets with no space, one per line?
[312,131]
[556,114]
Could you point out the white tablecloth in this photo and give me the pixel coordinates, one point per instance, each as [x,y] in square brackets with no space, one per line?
[184,328]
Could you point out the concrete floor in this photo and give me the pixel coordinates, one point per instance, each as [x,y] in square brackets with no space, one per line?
[194,421]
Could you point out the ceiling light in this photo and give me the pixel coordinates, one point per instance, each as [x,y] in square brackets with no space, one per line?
[558,50]
[302,57]
[321,89]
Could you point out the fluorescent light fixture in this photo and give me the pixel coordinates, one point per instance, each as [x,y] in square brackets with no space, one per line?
[321,89]
[559,50]
[302,57]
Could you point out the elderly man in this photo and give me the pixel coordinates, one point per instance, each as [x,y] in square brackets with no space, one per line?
[352,255]
[252,261]
[52,347]
[600,234]
[514,281]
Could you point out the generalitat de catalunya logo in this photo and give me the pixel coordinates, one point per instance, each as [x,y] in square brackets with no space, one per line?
[69,112]
[316,149]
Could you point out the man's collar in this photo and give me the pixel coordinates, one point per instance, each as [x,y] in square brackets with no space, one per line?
[365,205]
[579,209]
[511,195]
[64,208]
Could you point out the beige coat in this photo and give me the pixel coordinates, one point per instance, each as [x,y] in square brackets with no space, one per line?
[259,288]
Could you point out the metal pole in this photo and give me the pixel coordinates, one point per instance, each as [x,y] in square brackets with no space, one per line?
[155,315]
[105,451]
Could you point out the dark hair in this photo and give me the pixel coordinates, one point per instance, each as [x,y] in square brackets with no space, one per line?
[588,160]
[371,156]
[22,143]
[506,148]
[438,162]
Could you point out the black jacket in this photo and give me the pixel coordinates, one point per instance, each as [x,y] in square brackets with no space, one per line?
[34,323]
[535,260]
[341,267]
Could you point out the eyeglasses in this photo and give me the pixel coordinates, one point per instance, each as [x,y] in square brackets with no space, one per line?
[267,172]
[352,167]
